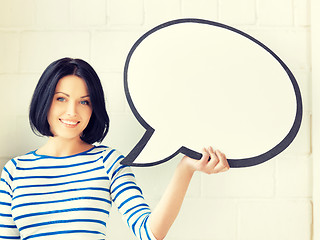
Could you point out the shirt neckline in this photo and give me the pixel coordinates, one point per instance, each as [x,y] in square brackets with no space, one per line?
[68,156]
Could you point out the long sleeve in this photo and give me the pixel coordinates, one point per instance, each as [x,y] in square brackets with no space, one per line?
[69,197]
[8,229]
[129,200]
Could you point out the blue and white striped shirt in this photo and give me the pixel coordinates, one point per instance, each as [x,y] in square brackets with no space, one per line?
[44,197]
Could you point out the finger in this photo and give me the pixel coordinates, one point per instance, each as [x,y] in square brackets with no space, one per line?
[222,157]
[201,164]
[214,160]
[205,155]
[223,164]
[225,169]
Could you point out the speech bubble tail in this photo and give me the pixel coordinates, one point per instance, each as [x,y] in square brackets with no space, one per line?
[133,154]
[150,151]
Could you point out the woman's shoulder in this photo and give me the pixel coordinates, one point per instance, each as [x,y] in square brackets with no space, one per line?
[11,165]
[104,149]
[16,161]
[111,157]
[24,157]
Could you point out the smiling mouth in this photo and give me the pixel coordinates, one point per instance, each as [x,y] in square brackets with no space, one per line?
[69,123]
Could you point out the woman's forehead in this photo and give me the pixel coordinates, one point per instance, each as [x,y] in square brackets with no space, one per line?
[72,85]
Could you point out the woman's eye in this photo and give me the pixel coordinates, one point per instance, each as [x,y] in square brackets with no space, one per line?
[84,102]
[61,99]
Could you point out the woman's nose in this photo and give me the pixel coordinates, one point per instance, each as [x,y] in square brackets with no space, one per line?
[71,109]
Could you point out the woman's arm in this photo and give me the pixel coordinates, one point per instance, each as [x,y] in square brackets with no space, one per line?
[163,216]
[8,229]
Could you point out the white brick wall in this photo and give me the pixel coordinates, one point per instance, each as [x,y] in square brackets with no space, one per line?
[274,219]
[206,9]
[130,15]
[110,48]
[246,12]
[315,38]
[88,13]
[55,44]
[17,13]
[47,11]
[271,201]
[9,48]
[275,13]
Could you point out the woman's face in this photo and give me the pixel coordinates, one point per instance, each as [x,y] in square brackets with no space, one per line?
[70,109]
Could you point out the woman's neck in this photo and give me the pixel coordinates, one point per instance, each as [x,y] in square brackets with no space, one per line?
[59,147]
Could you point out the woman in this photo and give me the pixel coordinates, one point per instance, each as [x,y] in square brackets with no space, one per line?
[65,188]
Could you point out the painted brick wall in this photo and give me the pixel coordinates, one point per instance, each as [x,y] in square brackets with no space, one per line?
[272,201]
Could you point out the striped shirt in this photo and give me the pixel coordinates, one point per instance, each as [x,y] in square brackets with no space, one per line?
[69,198]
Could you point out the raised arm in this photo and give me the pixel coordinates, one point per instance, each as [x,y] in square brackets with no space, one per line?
[163,216]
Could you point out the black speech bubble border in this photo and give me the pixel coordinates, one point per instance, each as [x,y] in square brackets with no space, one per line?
[234,163]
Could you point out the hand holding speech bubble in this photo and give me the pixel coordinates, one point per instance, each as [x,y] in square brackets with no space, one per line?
[193,83]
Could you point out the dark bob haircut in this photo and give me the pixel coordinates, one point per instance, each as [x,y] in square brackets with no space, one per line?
[98,125]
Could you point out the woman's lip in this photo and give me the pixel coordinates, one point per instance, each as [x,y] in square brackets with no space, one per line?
[69,123]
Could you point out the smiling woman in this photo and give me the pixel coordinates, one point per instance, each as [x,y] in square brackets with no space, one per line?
[70,110]
[50,86]
[66,188]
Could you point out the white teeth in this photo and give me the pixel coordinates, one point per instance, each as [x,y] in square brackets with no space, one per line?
[69,122]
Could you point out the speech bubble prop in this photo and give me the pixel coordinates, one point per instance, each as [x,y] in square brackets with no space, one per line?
[192,83]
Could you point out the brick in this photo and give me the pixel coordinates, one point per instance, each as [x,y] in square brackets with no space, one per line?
[25,140]
[9,48]
[275,13]
[301,145]
[39,49]
[157,12]
[110,49]
[52,14]
[237,12]
[16,135]
[205,9]
[26,85]
[125,12]
[256,181]
[87,13]
[8,91]
[17,13]
[301,12]
[204,219]
[294,177]
[275,219]
[114,92]
[8,136]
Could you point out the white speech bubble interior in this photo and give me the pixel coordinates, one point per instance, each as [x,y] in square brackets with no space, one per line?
[200,84]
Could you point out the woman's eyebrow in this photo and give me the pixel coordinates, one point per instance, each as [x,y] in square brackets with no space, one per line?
[69,95]
[85,96]
[63,93]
